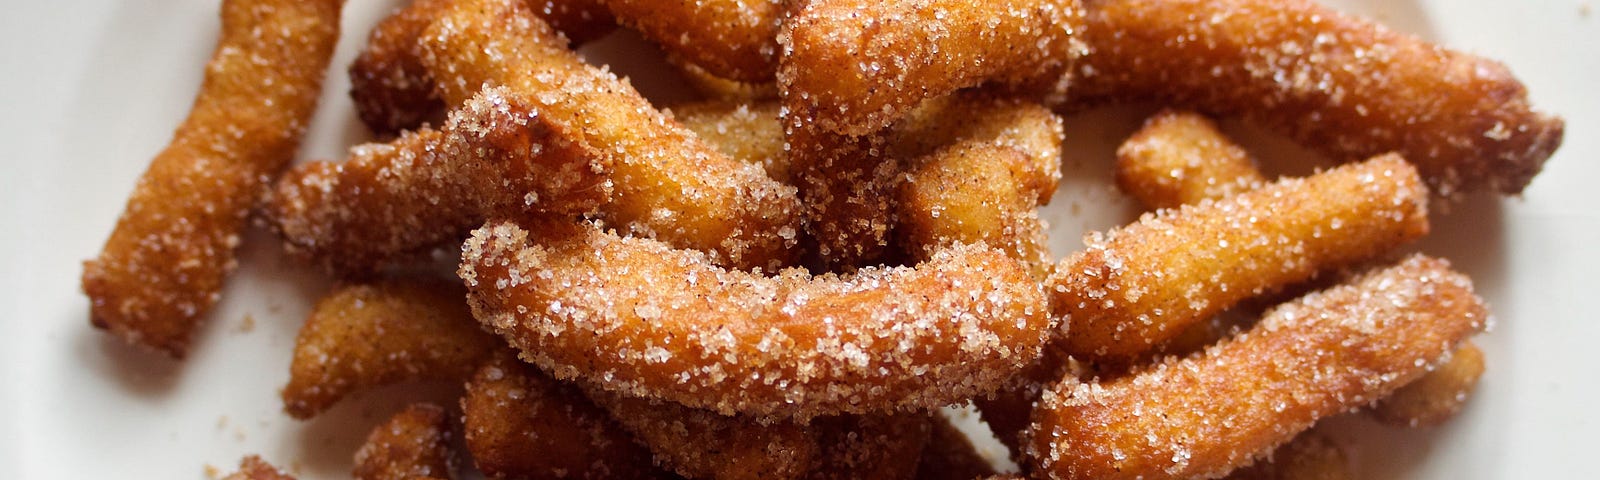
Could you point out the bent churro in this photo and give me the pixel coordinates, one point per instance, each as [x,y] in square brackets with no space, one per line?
[668,184]
[854,66]
[163,266]
[1437,396]
[1337,83]
[413,445]
[703,444]
[1141,284]
[1179,158]
[363,336]
[674,326]
[1327,352]
[496,156]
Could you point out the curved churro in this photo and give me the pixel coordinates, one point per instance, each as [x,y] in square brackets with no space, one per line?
[1437,396]
[668,185]
[520,423]
[1139,285]
[254,468]
[1341,84]
[393,91]
[163,266]
[413,445]
[363,336]
[1325,353]
[732,39]
[674,326]
[854,66]
[1179,158]
[703,444]
[496,156]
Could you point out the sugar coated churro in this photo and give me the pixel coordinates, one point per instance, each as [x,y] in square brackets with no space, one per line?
[412,445]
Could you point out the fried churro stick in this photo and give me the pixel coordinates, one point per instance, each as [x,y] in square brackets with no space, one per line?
[1327,352]
[1437,396]
[1310,456]
[393,91]
[749,132]
[668,185]
[672,325]
[163,266]
[1180,157]
[702,444]
[950,455]
[871,446]
[1341,84]
[732,39]
[367,335]
[1139,285]
[496,156]
[413,445]
[254,468]
[520,423]
[846,185]
[854,66]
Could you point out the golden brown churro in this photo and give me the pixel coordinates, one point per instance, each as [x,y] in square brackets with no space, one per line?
[496,156]
[393,91]
[676,327]
[668,184]
[1310,456]
[163,266]
[703,444]
[1327,352]
[854,66]
[1139,285]
[1178,158]
[363,336]
[732,39]
[254,468]
[749,132]
[1437,396]
[413,445]
[520,423]
[1338,83]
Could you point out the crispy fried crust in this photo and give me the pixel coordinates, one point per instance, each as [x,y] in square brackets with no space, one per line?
[1310,456]
[702,444]
[881,446]
[668,184]
[854,66]
[393,91]
[367,335]
[1341,84]
[414,444]
[163,266]
[846,185]
[749,132]
[520,423]
[1437,396]
[713,87]
[676,327]
[389,202]
[1141,284]
[950,455]
[1325,353]
[254,468]
[1179,157]
[732,39]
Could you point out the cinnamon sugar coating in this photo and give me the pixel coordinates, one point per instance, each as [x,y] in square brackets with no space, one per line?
[1310,456]
[732,39]
[254,468]
[1205,415]
[412,445]
[1179,157]
[699,443]
[1437,396]
[164,264]
[637,316]
[1337,83]
[879,446]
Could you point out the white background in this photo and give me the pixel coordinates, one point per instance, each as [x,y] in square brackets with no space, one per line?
[91,89]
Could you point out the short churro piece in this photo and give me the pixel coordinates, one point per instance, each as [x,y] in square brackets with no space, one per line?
[520,423]
[1138,286]
[254,468]
[393,91]
[854,66]
[164,265]
[846,185]
[732,39]
[871,446]
[363,336]
[1310,456]
[496,156]
[667,323]
[702,444]
[950,455]
[1437,396]
[1341,84]
[668,184]
[413,445]
[1180,157]
[1207,414]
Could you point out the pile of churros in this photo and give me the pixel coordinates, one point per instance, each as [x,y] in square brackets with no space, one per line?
[791,278]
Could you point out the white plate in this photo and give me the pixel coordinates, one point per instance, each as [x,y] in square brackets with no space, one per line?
[93,88]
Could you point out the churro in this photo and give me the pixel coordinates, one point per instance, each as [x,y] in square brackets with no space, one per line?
[413,445]
[732,39]
[1437,396]
[871,446]
[1310,456]
[1179,157]
[254,468]
[703,444]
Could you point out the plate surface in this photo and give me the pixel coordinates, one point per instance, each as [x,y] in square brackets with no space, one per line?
[93,88]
